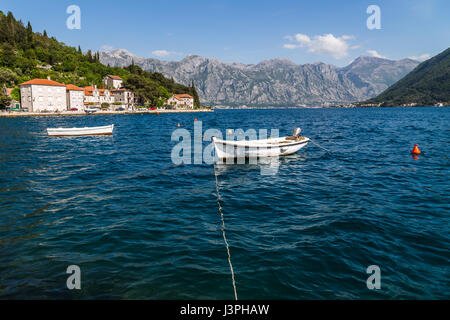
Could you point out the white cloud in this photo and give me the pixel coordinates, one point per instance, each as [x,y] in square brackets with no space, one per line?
[337,47]
[291,46]
[375,54]
[422,57]
[165,53]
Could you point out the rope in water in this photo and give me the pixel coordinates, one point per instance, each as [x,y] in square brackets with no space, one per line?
[224,235]
[315,143]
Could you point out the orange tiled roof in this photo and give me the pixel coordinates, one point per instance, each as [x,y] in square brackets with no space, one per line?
[72,87]
[115,77]
[88,90]
[183,95]
[8,91]
[102,92]
[43,82]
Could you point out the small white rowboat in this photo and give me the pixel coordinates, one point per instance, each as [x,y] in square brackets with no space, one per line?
[273,147]
[86,131]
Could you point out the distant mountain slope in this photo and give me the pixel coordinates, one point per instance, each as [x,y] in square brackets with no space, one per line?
[428,84]
[274,82]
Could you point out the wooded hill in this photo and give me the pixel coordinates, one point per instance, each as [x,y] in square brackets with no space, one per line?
[25,55]
[427,85]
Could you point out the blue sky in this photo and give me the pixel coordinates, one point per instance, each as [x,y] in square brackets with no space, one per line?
[247,31]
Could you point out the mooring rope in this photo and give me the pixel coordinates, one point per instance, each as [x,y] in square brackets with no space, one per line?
[315,143]
[224,235]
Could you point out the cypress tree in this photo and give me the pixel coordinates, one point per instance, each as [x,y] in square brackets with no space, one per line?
[89,56]
[29,35]
[195,95]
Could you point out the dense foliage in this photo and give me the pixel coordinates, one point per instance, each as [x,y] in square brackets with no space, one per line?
[427,85]
[25,55]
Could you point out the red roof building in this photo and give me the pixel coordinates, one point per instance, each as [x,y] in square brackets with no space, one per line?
[42,82]
[40,95]
[113,82]
[70,87]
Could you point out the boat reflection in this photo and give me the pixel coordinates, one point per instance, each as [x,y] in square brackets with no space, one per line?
[267,165]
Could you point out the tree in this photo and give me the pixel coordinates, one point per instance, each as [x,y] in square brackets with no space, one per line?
[15,94]
[163,93]
[195,95]
[29,35]
[5,101]
[8,55]
[7,76]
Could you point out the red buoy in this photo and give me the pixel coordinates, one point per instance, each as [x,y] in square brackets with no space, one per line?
[416,149]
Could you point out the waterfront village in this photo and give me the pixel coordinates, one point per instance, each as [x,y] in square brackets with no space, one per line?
[48,96]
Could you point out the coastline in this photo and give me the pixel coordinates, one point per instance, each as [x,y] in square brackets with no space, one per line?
[13,114]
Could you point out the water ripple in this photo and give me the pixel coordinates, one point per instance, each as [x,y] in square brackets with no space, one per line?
[141,227]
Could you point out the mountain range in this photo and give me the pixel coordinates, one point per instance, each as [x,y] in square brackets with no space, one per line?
[277,82]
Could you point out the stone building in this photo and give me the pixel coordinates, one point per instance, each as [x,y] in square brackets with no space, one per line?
[113,82]
[39,95]
[75,97]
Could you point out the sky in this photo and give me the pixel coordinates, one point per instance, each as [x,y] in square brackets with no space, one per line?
[247,31]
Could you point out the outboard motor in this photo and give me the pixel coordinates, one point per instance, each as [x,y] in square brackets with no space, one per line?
[297,132]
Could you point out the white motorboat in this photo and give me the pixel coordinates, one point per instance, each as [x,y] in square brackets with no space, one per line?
[86,131]
[273,147]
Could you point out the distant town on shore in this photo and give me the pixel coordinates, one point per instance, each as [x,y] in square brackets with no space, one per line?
[46,95]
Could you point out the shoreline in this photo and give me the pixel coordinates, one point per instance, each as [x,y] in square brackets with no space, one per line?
[13,114]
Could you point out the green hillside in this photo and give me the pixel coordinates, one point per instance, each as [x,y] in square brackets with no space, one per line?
[26,55]
[427,85]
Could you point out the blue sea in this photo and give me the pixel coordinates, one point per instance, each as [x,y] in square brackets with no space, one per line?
[140,227]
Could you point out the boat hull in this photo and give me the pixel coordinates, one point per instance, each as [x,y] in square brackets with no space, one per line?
[92,131]
[226,149]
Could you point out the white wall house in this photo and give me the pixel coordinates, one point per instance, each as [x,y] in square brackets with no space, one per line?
[43,95]
[75,97]
[93,95]
[106,96]
[124,97]
[113,82]
[182,101]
